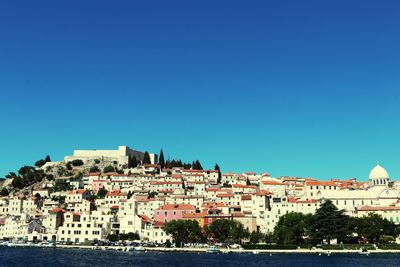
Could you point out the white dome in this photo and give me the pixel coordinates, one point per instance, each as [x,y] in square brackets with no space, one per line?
[378,173]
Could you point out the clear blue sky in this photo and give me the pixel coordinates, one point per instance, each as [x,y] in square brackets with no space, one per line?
[302,88]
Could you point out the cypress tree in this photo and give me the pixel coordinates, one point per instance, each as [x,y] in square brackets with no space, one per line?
[47,159]
[146,158]
[219,173]
[197,165]
[161,161]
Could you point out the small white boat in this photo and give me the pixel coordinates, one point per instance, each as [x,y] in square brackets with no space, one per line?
[213,250]
[364,251]
[140,248]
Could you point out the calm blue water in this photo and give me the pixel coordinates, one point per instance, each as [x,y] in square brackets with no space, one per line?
[71,257]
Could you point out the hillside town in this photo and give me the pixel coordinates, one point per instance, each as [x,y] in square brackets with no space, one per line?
[97,193]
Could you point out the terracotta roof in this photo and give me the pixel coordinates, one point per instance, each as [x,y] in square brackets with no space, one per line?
[271,183]
[246,197]
[77,192]
[144,218]
[321,183]
[386,208]
[177,207]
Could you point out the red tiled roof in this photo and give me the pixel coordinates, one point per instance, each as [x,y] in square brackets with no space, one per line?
[177,207]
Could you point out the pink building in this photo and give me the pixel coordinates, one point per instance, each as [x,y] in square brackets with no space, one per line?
[171,212]
[98,184]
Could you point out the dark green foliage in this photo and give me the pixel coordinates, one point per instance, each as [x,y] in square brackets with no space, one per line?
[223,230]
[69,166]
[129,236]
[292,228]
[27,176]
[161,160]
[152,194]
[102,192]
[373,229]
[108,168]
[146,158]
[329,223]
[94,169]
[256,237]
[41,162]
[97,161]
[184,231]
[219,173]
[77,162]
[132,162]
[61,185]
[112,237]
[197,165]
[4,192]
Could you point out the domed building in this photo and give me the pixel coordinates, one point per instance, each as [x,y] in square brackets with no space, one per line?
[378,176]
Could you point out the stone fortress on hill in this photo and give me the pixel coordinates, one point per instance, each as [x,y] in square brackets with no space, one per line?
[141,199]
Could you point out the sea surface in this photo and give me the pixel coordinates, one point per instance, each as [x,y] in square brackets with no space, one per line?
[75,257]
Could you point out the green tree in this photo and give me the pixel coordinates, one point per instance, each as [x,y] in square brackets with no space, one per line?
[47,158]
[102,192]
[40,163]
[146,158]
[94,169]
[371,228]
[4,192]
[219,173]
[161,160]
[77,162]
[17,182]
[329,223]
[183,231]
[292,228]
[112,237]
[224,230]
[132,162]
[108,168]
[152,194]
[256,237]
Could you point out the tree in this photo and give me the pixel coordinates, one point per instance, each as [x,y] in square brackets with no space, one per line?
[329,223]
[40,163]
[219,173]
[183,231]
[108,168]
[373,229]
[132,162]
[152,194]
[17,182]
[47,158]
[94,169]
[198,165]
[4,192]
[292,228]
[102,192]
[223,230]
[61,185]
[77,162]
[248,181]
[112,237]
[256,237]
[146,158]
[161,160]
